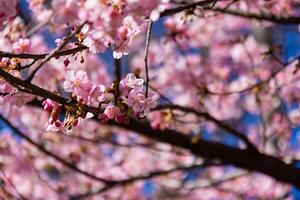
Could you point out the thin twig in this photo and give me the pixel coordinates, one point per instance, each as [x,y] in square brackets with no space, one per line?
[148,37]
[42,56]
[257,16]
[160,94]
[57,49]
[143,177]
[13,186]
[26,66]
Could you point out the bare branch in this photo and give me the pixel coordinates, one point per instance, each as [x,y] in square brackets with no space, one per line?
[143,177]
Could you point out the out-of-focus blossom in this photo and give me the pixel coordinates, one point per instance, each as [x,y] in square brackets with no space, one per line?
[112,111]
[21,46]
[8,9]
[65,11]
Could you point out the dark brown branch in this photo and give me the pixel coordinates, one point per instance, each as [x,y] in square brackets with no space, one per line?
[249,15]
[208,117]
[246,159]
[142,177]
[42,149]
[173,11]
[42,56]
[35,90]
[250,160]
[257,16]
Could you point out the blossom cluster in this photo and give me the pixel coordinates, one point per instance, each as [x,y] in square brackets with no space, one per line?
[132,100]
[110,23]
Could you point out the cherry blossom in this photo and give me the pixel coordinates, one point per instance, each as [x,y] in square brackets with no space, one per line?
[22,46]
[77,83]
[95,41]
[152,99]
[131,82]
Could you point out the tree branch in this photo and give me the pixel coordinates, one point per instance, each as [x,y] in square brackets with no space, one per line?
[257,16]
[42,56]
[42,149]
[251,160]
[249,15]
[246,159]
[142,177]
[173,11]
[208,117]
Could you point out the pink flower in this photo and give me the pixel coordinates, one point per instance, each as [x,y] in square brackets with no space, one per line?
[112,111]
[49,105]
[98,94]
[54,127]
[135,100]
[122,48]
[105,96]
[131,82]
[126,33]
[95,42]
[149,102]
[53,108]
[6,87]
[21,46]
[122,43]
[77,83]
